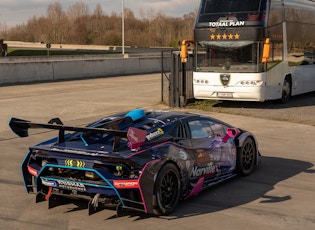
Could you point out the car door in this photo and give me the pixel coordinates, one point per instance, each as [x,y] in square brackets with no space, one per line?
[304,77]
[215,156]
[309,77]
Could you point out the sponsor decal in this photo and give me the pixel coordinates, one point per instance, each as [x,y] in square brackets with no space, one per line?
[126,184]
[203,171]
[71,185]
[227,23]
[183,154]
[155,134]
[74,163]
[234,152]
[203,157]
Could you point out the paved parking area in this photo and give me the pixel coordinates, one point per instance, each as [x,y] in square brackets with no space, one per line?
[278,195]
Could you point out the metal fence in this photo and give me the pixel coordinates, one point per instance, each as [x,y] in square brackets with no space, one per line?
[177,84]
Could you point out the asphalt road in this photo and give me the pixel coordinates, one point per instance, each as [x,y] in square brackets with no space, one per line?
[278,195]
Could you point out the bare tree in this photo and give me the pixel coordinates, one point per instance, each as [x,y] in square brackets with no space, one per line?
[3,28]
[77,26]
[98,11]
[55,16]
[77,10]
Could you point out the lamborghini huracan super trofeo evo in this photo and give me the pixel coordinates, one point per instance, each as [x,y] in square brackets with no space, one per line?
[138,160]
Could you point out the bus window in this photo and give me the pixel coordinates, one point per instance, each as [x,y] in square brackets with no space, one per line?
[276,54]
[239,57]
[214,9]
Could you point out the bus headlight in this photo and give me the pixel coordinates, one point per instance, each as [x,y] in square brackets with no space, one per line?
[201,81]
[250,83]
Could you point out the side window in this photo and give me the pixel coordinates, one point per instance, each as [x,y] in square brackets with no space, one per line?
[200,129]
[218,130]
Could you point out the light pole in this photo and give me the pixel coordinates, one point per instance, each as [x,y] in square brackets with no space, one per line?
[123,26]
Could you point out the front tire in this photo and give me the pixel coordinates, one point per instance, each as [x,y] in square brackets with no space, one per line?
[246,157]
[167,189]
[286,91]
[4,51]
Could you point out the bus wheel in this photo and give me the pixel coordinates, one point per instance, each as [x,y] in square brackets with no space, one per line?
[286,91]
[4,51]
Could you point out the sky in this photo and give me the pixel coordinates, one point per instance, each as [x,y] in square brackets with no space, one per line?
[13,12]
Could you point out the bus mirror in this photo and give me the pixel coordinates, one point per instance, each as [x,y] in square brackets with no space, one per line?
[266,50]
[184,53]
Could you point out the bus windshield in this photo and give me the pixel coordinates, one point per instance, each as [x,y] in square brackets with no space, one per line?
[243,10]
[230,6]
[225,56]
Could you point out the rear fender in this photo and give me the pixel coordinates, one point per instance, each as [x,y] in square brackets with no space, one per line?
[147,181]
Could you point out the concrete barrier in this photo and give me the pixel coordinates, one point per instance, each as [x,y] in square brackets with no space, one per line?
[26,70]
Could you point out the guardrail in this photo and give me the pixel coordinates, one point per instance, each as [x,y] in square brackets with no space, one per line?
[17,70]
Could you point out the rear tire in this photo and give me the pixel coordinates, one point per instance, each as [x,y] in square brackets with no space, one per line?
[246,157]
[167,189]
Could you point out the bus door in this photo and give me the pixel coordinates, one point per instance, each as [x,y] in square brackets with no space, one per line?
[309,76]
[304,77]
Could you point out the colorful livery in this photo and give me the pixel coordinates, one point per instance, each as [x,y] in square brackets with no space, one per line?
[141,160]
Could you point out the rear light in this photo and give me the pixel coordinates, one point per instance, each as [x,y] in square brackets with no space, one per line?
[32,171]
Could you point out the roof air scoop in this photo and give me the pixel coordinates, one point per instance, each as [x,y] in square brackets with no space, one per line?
[136,114]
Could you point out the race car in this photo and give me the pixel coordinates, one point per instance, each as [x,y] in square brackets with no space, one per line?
[138,160]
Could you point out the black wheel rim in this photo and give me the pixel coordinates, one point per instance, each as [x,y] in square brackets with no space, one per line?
[248,156]
[169,189]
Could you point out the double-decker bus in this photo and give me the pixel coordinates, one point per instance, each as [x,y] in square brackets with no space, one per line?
[254,50]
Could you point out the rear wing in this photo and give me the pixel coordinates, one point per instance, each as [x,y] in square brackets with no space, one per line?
[135,136]
[20,127]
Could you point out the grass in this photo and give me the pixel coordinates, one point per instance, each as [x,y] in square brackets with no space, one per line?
[204,105]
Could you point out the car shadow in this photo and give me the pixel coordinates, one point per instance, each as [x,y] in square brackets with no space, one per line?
[231,193]
[242,190]
[237,191]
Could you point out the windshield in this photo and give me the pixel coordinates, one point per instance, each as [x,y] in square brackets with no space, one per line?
[229,6]
[242,10]
[225,56]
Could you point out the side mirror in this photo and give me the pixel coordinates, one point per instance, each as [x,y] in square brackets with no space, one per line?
[232,132]
[266,50]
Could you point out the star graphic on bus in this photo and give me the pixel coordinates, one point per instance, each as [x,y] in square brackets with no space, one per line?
[224,36]
[237,36]
[212,36]
[230,36]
